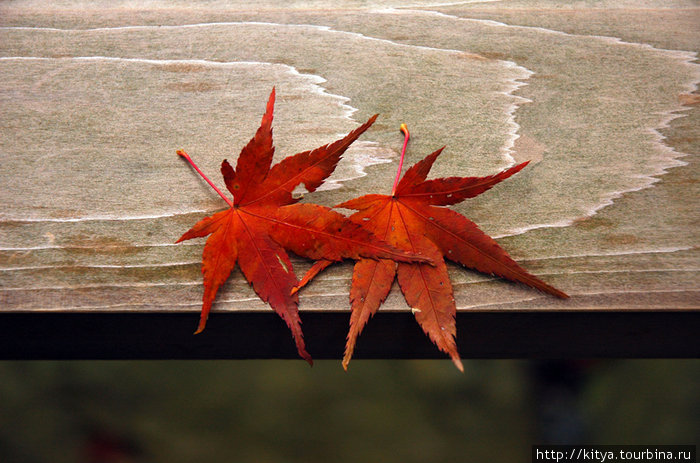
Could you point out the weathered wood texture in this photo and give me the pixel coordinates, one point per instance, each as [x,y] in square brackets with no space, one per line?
[95,100]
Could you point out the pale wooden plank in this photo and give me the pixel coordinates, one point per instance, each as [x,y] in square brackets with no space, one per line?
[94,196]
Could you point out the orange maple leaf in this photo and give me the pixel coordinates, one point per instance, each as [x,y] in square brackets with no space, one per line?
[411,219]
[263,221]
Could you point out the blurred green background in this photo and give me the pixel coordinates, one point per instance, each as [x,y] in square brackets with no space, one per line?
[379,411]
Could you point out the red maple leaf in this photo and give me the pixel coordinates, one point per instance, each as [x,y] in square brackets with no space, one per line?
[263,221]
[411,219]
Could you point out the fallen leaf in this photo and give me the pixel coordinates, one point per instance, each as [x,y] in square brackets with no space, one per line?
[263,221]
[412,218]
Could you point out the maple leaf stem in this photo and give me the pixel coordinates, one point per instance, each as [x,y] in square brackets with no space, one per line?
[189,159]
[407,135]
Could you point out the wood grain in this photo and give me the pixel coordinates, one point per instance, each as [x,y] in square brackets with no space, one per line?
[93,105]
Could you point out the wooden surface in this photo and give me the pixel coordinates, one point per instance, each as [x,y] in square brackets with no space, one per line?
[96,98]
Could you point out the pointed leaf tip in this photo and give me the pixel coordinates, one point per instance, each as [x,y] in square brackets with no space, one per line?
[270,103]
[200,328]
